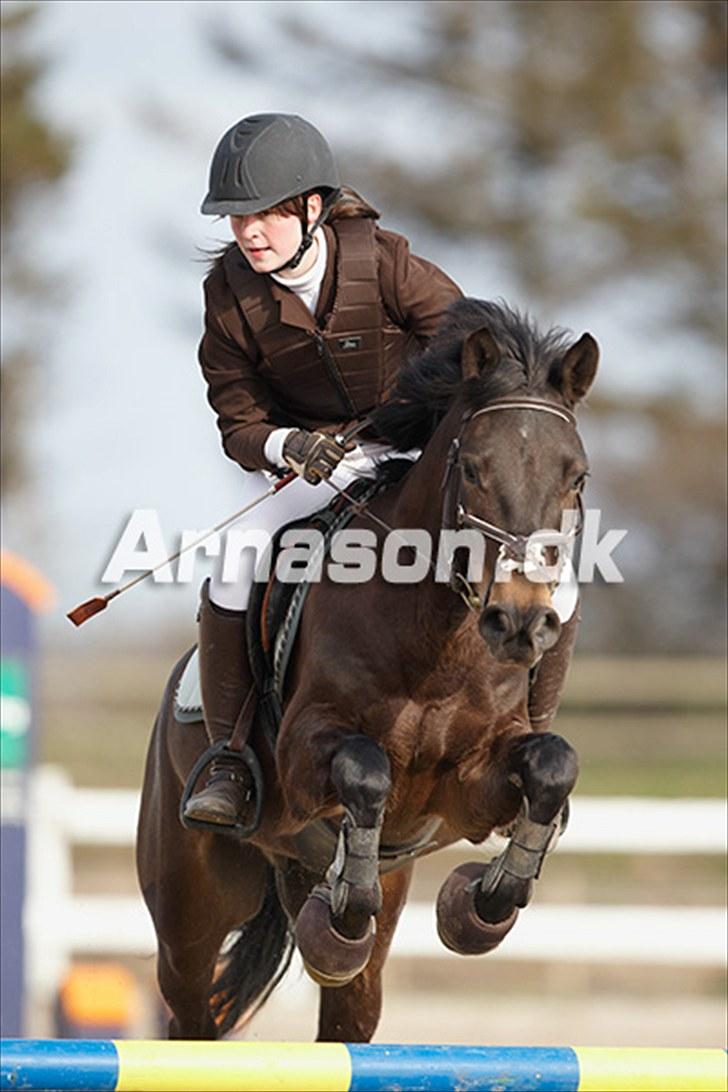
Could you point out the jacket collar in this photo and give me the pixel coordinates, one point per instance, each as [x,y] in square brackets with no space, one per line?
[292,310]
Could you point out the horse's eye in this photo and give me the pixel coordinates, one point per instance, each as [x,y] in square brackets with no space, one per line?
[470,473]
[579,482]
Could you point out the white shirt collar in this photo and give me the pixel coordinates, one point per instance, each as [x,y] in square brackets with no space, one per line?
[309,281]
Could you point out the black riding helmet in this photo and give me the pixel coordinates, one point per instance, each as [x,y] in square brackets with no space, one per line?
[266,159]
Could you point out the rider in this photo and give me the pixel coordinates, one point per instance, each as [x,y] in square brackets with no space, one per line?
[309,315]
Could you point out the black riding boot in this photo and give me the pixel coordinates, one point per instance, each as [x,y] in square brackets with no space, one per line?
[225,682]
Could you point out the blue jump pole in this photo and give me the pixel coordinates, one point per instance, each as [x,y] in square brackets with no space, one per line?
[126,1066]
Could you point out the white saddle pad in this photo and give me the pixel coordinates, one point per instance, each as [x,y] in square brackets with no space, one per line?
[188,696]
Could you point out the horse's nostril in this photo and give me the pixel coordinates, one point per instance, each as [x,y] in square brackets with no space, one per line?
[496,624]
[545,629]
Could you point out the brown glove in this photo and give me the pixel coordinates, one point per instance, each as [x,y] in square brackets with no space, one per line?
[314,455]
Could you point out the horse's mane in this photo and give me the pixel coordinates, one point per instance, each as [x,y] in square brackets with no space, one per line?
[429,383]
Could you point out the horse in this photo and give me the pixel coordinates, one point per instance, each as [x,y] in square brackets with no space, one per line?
[406,721]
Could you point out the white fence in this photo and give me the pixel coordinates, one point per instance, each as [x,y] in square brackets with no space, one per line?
[60,924]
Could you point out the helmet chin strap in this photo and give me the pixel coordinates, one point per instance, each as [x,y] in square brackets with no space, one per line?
[307,233]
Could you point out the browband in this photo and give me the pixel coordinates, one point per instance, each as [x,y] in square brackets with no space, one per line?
[528,403]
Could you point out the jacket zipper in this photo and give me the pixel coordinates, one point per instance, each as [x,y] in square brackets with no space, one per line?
[334,374]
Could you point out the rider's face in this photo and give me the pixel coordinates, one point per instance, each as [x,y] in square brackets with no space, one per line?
[270,238]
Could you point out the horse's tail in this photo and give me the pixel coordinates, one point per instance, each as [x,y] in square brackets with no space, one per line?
[254,964]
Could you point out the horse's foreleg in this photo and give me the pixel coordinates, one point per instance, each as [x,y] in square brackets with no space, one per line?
[545,768]
[477,906]
[335,928]
[351,1013]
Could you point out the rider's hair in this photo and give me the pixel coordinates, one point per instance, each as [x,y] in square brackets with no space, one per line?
[348,205]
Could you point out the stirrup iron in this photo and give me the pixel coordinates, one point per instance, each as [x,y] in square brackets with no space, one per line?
[249,758]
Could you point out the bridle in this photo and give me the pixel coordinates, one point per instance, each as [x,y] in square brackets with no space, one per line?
[513,548]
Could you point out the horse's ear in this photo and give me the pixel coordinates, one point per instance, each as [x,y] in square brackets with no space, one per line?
[578,368]
[480,353]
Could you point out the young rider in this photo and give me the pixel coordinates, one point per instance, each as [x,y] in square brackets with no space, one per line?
[308,317]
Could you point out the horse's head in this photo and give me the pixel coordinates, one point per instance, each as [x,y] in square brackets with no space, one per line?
[500,394]
[516,466]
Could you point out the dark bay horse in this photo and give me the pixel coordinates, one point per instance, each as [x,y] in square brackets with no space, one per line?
[406,723]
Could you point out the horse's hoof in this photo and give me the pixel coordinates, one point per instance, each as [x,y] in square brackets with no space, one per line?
[459,925]
[330,958]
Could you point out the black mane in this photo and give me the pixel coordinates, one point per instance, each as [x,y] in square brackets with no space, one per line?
[428,384]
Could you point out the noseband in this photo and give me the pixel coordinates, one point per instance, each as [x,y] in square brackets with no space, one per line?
[513,547]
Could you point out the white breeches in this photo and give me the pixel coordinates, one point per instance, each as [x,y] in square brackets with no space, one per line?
[295,500]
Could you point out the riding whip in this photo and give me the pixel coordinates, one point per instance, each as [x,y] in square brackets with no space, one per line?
[87,610]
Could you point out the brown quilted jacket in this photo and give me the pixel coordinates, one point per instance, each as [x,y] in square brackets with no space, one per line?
[255,388]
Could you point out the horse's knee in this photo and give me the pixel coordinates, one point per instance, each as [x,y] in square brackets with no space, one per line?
[361,776]
[548,768]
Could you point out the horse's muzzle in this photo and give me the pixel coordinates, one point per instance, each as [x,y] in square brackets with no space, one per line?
[517,635]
